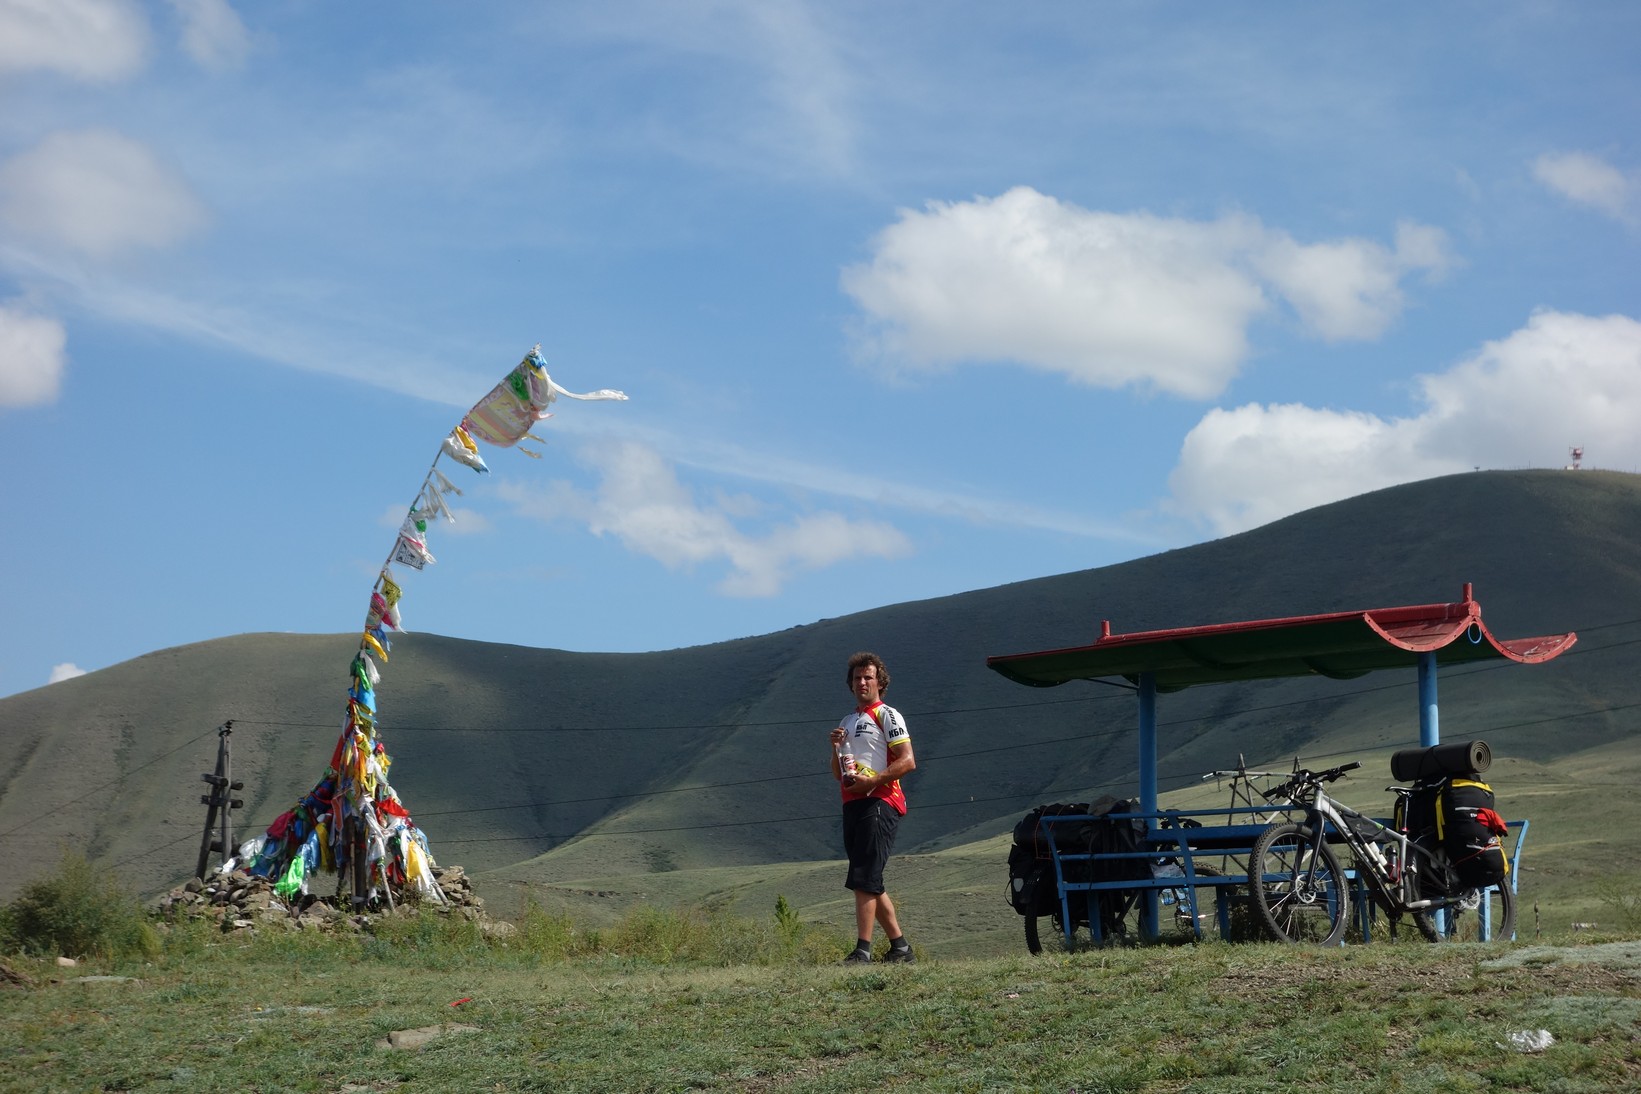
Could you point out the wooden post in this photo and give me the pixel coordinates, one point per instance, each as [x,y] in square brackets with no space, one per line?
[218,801]
[357,867]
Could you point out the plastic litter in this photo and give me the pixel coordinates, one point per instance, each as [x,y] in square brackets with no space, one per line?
[1530,1040]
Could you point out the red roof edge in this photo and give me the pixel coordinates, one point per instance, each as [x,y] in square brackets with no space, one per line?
[1417,628]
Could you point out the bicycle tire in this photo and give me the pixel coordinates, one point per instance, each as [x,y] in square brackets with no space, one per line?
[1039,928]
[1295,908]
[1464,918]
[1034,941]
[1206,897]
[1114,908]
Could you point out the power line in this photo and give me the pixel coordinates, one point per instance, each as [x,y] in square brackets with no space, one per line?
[116,779]
[1452,673]
[686,728]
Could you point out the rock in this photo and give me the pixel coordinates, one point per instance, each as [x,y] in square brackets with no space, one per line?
[414,1039]
[66,963]
[232,899]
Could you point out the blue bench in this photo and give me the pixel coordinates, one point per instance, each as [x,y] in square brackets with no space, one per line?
[1181,838]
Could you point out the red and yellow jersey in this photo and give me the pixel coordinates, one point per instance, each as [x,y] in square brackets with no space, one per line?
[870,733]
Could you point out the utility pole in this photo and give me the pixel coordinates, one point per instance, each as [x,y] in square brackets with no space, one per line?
[220,803]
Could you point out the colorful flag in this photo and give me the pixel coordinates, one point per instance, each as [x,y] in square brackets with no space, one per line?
[506,415]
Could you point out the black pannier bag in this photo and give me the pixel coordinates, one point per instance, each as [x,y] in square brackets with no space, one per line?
[1032,888]
[1458,816]
[1472,831]
[1416,816]
[1416,813]
[1031,870]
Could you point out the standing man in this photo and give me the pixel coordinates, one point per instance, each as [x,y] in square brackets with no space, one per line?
[875,736]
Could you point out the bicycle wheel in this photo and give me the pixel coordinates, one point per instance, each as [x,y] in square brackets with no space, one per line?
[1464,918]
[1207,897]
[1116,909]
[1046,930]
[1298,886]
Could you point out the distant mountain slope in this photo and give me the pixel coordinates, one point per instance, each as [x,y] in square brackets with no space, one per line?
[715,755]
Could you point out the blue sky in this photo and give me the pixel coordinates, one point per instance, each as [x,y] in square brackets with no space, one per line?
[908,298]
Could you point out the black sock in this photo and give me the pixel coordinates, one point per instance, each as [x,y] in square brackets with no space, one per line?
[864,945]
[899,944]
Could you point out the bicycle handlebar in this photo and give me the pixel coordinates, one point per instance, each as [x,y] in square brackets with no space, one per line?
[1303,777]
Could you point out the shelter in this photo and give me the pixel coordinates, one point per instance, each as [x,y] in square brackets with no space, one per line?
[1339,645]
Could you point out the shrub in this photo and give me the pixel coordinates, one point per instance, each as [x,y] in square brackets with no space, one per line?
[425,936]
[80,911]
[551,937]
[786,920]
[1621,897]
[666,937]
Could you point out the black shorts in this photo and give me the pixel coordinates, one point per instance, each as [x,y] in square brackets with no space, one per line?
[869,826]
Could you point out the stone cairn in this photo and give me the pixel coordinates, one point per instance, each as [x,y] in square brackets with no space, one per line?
[239,901]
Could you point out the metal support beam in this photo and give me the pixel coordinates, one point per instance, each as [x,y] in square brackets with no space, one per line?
[1148,787]
[1148,743]
[1430,733]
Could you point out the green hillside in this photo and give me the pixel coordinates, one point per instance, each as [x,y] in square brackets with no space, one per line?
[657,775]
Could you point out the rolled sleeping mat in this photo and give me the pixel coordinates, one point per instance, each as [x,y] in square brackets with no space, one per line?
[1439,761]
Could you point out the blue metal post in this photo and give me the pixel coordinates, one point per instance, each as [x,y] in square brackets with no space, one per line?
[1430,733]
[1148,743]
[1148,786]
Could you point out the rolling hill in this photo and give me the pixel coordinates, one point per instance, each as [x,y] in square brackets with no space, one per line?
[544,768]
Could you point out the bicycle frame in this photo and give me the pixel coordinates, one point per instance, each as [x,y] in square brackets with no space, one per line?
[1388,861]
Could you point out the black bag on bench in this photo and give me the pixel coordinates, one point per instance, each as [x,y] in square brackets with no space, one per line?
[1031,868]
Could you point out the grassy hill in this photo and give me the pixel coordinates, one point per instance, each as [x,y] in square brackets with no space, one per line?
[700,773]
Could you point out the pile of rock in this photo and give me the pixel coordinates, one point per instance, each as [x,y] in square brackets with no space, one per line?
[240,901]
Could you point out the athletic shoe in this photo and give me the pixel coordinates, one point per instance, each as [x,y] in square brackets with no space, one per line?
[857,957]
[905,956]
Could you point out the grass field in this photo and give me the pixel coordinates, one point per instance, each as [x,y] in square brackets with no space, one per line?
[306,1012]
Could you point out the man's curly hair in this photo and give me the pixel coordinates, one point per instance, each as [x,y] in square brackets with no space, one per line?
[876,662]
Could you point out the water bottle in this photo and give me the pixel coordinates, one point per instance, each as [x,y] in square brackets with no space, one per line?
[846,763]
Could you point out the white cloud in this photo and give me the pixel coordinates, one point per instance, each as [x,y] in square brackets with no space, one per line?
[1562,380]
[31,357]
[1251,465]
[97,41]
[66,671]
[96,192]
[642,503]
[212,33]
[1589,180]
[1351,288]
[1113,300]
